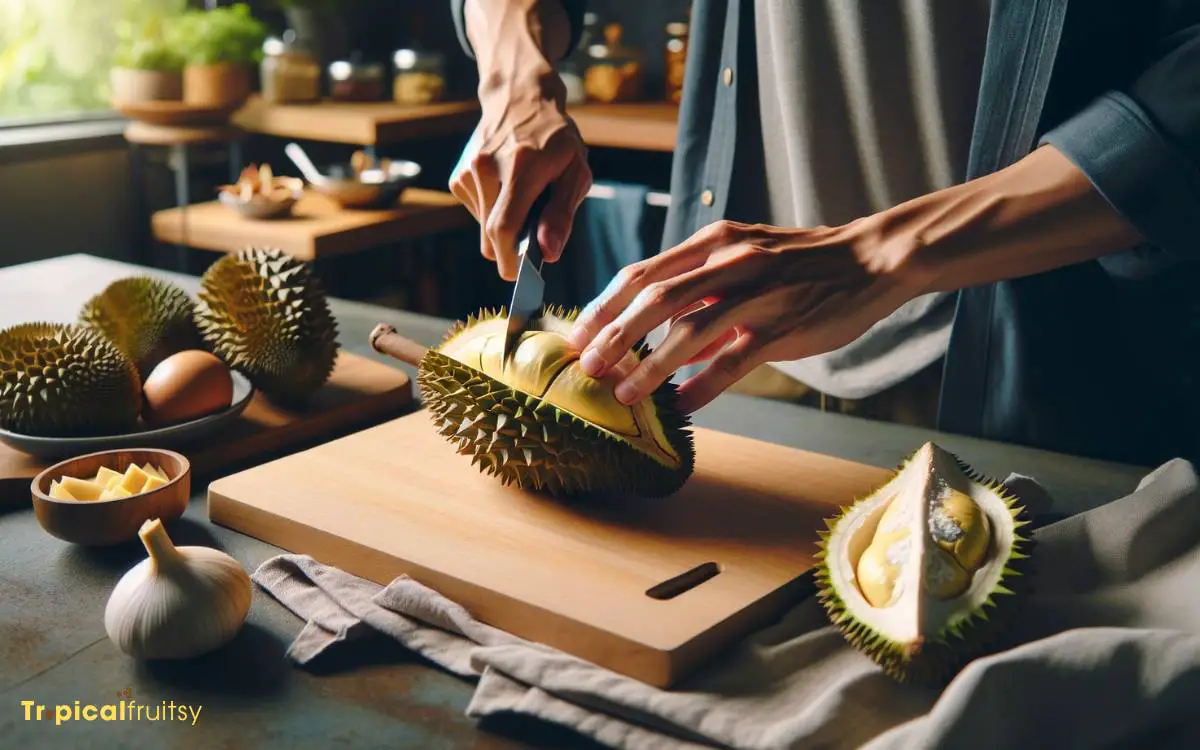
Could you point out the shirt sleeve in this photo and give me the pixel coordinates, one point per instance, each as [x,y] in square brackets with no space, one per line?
[1140,148]
[575,10]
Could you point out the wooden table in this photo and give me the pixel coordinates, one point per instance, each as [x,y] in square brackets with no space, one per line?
[317,228]
[54,649]
[645,126]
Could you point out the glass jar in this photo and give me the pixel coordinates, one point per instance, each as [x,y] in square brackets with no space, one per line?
[354,81]
[572,69]
[614,72]
[420,77]
[289,73]
[676,59]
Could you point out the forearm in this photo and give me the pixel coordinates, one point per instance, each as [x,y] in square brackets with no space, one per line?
[1037,215]
[514,42]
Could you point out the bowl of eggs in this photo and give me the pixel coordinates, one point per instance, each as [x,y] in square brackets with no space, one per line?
[186,397]
[103,498]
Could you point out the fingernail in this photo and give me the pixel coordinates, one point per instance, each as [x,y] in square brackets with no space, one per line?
[591,362]
[626,393]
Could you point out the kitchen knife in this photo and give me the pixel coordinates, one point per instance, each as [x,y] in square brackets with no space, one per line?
[529,288]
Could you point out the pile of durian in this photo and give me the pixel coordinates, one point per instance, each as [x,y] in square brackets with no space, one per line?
[924,574]
[260,311]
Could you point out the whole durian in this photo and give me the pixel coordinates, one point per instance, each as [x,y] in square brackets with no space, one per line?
[265,314]
[65,381]
[924,574]
[147,318]
[537,421]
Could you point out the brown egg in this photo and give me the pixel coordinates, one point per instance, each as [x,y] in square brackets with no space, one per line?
[185,386]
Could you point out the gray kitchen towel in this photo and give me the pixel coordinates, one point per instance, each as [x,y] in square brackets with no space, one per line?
[1106,653]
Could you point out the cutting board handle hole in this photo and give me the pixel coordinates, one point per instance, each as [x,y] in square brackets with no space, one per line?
[684,582]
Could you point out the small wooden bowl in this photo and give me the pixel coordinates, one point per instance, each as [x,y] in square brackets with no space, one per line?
[107,522]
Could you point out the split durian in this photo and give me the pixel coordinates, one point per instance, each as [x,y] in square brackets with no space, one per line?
[265,314]
[924,574]
[537,421]
[65,381]
[147,318]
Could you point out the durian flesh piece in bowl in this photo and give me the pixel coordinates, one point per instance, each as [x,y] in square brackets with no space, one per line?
[537,421]
[923,574]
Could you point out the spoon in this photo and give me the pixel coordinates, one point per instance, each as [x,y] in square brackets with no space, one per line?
[301,160]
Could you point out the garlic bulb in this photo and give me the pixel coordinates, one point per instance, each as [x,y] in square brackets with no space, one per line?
[179,602]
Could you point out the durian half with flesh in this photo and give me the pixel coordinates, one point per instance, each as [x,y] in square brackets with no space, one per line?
[538,421]
[923,574]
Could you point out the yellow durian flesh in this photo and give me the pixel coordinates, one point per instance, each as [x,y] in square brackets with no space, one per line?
[543,364]
[913,574]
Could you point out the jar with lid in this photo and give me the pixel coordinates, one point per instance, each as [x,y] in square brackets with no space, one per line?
[355,81]
[289,72]
[676,59]
[614,72]
[420,77]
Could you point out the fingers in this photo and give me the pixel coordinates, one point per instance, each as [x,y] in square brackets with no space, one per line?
[685,340]
[731,365]
[526,181]
[567,193]
[476,184]
[632,281]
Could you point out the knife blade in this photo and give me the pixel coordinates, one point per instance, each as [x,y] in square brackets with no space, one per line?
[529,287]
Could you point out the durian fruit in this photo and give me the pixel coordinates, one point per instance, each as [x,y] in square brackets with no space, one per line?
[537,421]
[924,574]
[265,314]
[147,318]
[65,381]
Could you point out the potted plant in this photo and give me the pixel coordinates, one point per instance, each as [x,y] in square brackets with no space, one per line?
[219,49]
[145,66]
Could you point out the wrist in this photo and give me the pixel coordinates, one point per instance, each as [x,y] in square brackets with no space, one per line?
[514,43]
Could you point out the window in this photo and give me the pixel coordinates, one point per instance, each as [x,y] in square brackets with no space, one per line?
[55,55]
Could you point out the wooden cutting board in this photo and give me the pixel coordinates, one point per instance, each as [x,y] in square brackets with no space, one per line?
[397,499]
[358,390]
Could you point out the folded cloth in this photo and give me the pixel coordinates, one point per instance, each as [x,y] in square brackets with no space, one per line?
[1106,653]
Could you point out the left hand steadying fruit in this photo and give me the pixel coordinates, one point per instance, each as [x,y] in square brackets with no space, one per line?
[742,295]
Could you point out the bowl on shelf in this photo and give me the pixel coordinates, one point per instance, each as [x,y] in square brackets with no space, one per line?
[117,520]
[360,183]
[259,194]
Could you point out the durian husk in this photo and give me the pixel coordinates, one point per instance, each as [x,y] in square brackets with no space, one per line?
[533,444]
[66,381]
[266,315]
[148,319]
[936,660]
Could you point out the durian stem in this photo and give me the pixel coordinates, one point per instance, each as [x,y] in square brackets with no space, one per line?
[158,544]
[386,340]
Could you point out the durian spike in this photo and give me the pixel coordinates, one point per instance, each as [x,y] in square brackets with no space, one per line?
[386,340]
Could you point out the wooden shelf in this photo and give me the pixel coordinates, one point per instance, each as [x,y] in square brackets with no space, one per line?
[356,123]
[644,126]
[317,228]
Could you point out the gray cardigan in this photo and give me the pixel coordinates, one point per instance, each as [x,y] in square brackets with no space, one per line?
[1098,359]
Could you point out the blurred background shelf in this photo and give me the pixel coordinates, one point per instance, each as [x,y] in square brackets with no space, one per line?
[645,126]
[356,123]
[318,228]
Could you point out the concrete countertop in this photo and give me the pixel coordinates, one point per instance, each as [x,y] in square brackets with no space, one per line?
[52,594]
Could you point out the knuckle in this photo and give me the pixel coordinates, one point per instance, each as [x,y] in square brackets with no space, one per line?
[658,294]
[724,230]
[633,276]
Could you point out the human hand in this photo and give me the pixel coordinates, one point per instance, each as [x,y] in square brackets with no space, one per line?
[518,150]
[741,295]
